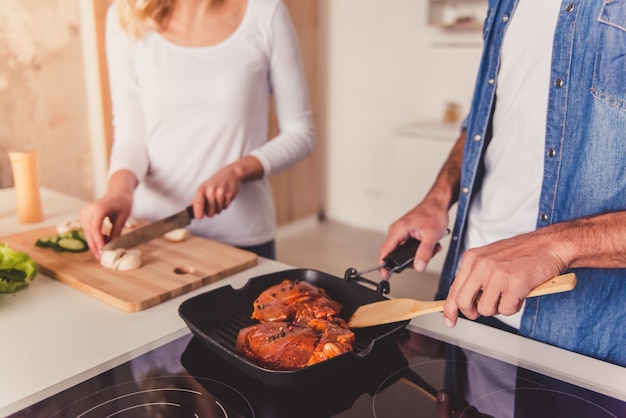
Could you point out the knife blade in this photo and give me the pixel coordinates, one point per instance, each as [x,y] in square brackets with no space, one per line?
[152,230]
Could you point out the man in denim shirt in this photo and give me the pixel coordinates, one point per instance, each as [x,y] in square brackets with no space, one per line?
[539,175]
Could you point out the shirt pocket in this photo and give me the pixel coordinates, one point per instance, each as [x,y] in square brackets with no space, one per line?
[609,74]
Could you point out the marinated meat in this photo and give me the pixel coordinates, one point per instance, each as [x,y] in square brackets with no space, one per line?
[284,346]
[294,302]
[334,340]
[277,345]
[298,327]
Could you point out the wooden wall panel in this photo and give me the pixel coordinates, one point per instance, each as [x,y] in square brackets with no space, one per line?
[297,191]
[100,11]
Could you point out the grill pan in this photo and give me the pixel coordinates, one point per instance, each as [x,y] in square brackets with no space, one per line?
[215,318]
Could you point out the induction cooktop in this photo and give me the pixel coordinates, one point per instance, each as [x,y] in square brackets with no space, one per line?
[410,375]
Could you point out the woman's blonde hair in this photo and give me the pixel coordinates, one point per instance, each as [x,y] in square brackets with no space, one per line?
[139,16]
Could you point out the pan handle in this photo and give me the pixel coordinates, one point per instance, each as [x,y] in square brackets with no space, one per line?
[394,262]
[402,257]
[382,287]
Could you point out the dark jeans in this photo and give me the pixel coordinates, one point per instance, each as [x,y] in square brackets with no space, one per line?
[267,249]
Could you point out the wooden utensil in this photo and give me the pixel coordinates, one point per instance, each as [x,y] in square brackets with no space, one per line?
[402,309]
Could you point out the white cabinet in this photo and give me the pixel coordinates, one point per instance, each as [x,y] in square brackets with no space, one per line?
[419,152]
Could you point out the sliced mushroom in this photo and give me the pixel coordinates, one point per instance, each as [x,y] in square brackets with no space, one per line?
[68,226]
[121,259]
[130,223]
[109,257]
[130,260]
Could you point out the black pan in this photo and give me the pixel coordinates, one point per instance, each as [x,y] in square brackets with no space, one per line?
[215,318]
[380,369]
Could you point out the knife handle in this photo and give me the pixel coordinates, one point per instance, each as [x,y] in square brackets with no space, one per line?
[189,210]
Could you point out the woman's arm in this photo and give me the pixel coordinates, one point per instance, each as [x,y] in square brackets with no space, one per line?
[129,148]
[296,138]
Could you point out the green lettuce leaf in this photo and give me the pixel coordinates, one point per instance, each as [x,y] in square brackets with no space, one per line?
[17,269]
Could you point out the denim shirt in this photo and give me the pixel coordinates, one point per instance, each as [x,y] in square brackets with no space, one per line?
[584,165]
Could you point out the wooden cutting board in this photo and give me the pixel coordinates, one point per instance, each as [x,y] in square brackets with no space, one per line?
[168,269]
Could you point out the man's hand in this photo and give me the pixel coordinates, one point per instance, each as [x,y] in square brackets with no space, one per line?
[426,222]
[503,273]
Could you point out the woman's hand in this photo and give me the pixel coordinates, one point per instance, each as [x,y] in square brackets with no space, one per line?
[218,192]
[116,208]
[116,204]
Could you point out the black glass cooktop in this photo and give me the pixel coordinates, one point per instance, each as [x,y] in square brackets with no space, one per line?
[410,375]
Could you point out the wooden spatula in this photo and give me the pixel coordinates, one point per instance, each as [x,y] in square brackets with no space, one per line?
[401,309]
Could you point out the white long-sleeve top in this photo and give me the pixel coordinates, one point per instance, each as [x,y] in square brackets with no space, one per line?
[182,113]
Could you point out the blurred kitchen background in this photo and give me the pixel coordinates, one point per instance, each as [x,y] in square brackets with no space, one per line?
[390,81]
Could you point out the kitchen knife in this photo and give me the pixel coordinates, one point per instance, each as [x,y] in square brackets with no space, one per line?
[152,230]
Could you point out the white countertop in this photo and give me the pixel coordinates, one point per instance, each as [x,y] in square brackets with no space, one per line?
[51,332]
[54,336]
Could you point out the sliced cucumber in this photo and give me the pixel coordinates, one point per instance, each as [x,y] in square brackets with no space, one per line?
[49,242]
[72,244]
[73,241]
[77,234]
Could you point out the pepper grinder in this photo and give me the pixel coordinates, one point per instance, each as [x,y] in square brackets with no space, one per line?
[26,180]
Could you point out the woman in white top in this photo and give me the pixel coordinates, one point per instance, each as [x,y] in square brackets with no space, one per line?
[190,84]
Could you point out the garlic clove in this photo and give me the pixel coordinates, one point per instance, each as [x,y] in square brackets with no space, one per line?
[177,235]
[131,222]
[106,226]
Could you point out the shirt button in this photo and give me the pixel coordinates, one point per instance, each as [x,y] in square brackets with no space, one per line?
[569,8]
[544,217]
[476,137]
[505,18]
[491,81]
[551,153]
[558,83]
[465,190]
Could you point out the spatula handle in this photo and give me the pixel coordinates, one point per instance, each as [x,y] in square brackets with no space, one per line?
[557,284]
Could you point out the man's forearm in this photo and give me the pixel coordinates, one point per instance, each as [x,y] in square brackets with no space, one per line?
[445,189]
[596,242]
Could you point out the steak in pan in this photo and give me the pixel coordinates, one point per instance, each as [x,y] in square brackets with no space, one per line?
[294,301]
[298,328]
[285,346]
